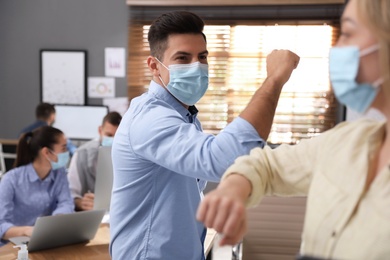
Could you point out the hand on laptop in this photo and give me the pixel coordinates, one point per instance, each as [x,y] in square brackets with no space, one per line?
[18,231]
[86,202]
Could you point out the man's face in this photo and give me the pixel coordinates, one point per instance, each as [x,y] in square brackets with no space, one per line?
[107,129]
[182,49]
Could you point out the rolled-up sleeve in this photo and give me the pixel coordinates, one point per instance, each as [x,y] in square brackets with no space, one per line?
[181,147]
[283,171]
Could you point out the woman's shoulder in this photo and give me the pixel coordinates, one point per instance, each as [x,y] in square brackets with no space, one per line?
[354,131]
[361,125]
[14,174]
[18,170]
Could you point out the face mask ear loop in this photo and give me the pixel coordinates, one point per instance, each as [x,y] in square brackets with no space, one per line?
[162,81]
[161,63]
[377,83]
[369,50]
[159,75]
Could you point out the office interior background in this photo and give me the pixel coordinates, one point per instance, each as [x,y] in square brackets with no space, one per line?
[239,37]
[240,33]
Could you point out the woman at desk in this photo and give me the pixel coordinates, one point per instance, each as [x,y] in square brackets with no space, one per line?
[38,186]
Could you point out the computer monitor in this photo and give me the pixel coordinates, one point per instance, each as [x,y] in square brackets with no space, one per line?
[79,122]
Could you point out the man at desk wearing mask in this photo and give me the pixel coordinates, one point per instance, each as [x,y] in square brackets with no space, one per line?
[82,169]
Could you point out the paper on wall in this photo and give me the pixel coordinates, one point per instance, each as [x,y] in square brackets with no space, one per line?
[101,87]
[119,104]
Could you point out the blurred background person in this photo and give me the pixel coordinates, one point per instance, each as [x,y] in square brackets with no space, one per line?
[38,186]
[82,169]
[45,114]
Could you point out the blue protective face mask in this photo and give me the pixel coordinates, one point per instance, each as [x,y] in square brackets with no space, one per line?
[107,140]
[343,69]
[63,159]
[187,82]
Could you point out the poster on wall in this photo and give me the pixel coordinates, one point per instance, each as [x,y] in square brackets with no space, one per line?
[100,87]
[63,76]
[115,62]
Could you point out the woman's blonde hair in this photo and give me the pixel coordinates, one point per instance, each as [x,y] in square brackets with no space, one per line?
[376,14]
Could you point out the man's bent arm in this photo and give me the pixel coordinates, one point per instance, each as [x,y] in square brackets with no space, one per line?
[261,109]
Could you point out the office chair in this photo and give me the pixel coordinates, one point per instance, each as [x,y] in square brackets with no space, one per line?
[274,229]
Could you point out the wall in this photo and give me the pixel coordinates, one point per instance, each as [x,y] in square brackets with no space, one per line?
[28,26]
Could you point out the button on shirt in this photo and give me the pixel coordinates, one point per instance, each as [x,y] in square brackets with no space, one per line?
[161,161]
[24,197]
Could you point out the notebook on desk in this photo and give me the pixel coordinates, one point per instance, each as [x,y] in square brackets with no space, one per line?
[62,230]
[103,179]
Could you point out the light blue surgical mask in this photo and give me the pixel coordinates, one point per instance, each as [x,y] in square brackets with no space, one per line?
[107,140]
[343,69]
[63,159]
[187,82]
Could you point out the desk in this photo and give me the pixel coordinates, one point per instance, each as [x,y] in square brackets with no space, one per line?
[97,248]
[9,141]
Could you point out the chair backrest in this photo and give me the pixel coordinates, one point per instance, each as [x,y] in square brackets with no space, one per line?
[2,162]
[7,152]
[274,229]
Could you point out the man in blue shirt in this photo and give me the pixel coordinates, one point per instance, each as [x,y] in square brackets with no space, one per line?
[161,157]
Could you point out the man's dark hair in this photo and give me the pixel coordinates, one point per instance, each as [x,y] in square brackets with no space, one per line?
[44,111]
[178,22]
[114,118]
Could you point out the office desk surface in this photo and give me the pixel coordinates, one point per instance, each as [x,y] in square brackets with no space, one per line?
[9,141]
[94,249]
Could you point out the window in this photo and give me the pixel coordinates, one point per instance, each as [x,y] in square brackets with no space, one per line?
[237,68]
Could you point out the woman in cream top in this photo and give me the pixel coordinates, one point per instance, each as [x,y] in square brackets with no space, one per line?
[345,172]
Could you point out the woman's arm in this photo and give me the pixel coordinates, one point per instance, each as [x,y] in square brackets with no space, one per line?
[284,171]
[63,198]
[17,232]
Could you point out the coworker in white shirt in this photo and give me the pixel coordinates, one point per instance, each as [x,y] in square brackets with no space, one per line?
[82,169]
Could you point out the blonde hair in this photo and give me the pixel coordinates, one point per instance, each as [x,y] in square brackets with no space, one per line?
[376,14]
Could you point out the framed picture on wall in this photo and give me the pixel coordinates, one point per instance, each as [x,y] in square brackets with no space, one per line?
[63,76]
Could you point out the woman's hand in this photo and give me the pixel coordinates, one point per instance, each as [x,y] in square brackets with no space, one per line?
[18,231]
[28,231]
[224,209]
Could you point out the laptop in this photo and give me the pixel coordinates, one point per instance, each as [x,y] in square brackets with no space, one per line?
[103,179]
[62,230]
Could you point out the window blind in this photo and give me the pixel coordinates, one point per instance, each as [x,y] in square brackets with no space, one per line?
[237,68]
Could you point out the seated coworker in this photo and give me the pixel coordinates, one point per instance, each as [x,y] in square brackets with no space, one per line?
[82,169]
[38,185]
[344,172]
[45,114]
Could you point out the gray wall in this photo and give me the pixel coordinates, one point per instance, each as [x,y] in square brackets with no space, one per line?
[28,26]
